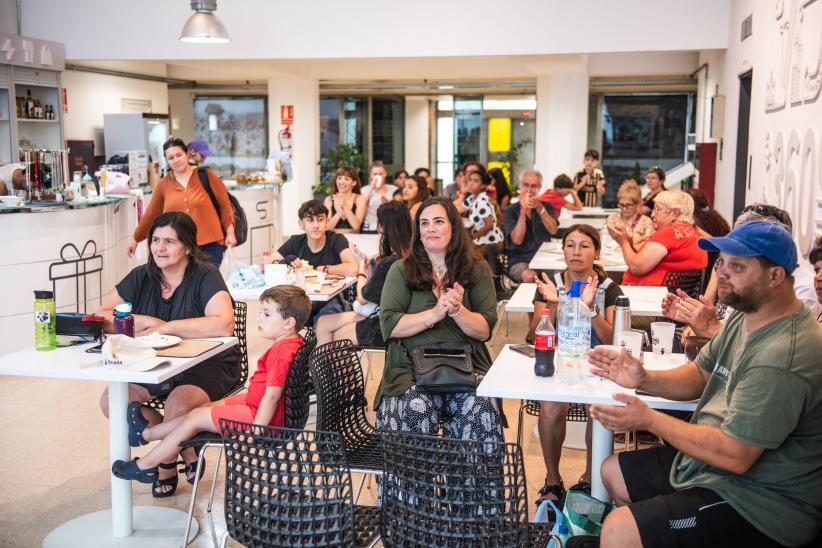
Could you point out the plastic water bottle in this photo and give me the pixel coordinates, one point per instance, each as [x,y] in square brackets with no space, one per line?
[574,320]
[123,320]
[45,321]
[544,344]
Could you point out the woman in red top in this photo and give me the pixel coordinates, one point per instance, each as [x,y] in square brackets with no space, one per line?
[672,247]
[181,190]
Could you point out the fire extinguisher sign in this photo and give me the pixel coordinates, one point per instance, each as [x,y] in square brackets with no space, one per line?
[286,115]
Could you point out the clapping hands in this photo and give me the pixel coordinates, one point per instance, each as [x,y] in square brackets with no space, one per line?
[450,301]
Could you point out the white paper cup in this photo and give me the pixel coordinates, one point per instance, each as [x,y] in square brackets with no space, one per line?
[662,337]
[276,274]
[632,341]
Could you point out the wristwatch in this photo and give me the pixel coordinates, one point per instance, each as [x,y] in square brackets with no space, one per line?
[595,311]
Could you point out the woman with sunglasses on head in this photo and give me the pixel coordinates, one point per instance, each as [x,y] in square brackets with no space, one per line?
[181,190]
[581,247]
[637,226]
[177,292]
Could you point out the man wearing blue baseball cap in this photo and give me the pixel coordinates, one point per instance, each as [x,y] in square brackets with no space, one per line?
[747,469]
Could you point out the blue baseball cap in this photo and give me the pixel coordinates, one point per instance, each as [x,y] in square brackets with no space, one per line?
[200,146]
[757,239]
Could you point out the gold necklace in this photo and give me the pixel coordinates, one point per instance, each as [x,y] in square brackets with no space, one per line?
[440,270]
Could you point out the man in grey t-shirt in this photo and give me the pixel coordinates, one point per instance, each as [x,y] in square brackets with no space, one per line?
[747,469]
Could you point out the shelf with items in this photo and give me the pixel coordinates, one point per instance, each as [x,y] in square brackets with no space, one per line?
[35,110]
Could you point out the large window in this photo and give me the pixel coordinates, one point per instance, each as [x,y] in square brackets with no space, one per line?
[643,130]
[236,130]
[494,130]
[374,125]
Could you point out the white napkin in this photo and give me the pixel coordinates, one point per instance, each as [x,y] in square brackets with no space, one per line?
[125,353]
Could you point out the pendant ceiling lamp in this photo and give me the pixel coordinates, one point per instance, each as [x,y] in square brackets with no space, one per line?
[203,27]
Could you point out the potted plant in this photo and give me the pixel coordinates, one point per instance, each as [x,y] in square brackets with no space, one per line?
[343,155]
[511,158]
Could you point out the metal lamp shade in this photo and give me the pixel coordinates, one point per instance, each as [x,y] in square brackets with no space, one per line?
[204,28]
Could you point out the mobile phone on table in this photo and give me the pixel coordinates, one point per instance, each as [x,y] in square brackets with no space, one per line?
[524,349]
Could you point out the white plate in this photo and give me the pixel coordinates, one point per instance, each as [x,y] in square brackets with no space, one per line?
[161,341]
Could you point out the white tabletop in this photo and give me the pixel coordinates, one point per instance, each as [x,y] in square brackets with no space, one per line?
[75,363]
[594,216]
[512,376]
[549,256]
[254,293]
[367,243]
[645,300]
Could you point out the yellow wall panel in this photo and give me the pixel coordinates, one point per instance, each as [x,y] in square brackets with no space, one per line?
[499,134]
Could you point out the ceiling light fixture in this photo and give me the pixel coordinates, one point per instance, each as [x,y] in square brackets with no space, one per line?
[203,27]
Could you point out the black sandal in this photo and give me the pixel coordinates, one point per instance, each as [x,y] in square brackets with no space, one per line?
[581,485]
[191,469]
[557,490]
[167,482]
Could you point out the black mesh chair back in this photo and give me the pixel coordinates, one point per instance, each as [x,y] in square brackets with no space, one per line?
[240,319]
[337,376]
[298,384]
[287,487]
[689,281]
[440,491]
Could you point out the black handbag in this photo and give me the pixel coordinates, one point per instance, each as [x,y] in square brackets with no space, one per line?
[444,367]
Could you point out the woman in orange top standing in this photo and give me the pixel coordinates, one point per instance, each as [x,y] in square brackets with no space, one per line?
[181,190]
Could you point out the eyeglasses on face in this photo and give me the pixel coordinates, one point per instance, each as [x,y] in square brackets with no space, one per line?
[660,207]
[626,205]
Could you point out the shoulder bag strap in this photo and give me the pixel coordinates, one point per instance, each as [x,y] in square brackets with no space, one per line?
[203,174]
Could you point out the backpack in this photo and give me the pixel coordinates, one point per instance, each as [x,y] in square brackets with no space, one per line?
[240,221]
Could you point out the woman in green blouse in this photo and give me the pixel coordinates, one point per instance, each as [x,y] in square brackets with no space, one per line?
[441,292]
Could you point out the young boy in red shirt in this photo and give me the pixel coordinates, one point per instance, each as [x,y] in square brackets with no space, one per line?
[284,310]
[556,196]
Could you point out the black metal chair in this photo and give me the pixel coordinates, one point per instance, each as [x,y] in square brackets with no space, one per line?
[337,376]
[296,407]
[440,491]
[240,319]
[576,413]
[689,281]
[287,487]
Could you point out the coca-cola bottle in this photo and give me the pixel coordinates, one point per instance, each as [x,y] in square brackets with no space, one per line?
[544,345]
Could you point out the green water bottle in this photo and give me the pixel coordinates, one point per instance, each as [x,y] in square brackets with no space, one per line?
[45,321]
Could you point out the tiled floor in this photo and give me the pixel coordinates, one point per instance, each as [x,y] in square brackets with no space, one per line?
[54,452]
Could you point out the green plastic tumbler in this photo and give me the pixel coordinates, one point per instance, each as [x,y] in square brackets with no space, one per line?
[45,321]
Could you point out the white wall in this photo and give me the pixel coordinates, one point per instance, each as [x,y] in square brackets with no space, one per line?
[786,111]
[417,151]
[261,29]
[92,95]
[562,124]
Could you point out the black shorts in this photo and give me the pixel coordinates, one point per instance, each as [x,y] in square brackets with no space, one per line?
[215,376]
[690,517]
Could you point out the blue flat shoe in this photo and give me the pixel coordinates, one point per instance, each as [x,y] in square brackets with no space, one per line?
[136,424]
[128,470]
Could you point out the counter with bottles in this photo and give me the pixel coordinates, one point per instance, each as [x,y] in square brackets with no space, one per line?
[79,251]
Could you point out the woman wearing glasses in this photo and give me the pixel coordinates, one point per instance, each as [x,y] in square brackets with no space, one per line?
[672,247]
[638,227]
[181,190]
